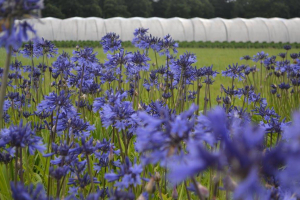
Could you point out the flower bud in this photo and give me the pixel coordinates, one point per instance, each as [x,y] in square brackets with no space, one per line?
[203,190]
[136,93]
[140,107]
[157,177]
[229,183]
[83,96]
[200,86]
[150,185]
[141,197]
[27,96]
[111,154]
[175,193]
[53,128]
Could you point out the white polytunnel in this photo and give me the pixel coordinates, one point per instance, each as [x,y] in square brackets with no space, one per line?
[196,29]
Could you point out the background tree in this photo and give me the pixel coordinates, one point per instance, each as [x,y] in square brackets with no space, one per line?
[201,8]
[115,8]
[52,10]
[177,8]
[141,8]
[172,8]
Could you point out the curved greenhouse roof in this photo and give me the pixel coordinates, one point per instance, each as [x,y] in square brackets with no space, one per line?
[196,29]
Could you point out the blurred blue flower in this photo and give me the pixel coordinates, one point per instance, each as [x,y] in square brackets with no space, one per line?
[21,136]
[21,192]
[234,71]
[111,42]
[130,175]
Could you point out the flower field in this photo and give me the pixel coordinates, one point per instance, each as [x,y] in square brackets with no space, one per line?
[152,122]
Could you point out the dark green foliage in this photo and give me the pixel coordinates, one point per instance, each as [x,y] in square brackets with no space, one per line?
[115,8]
[141,8]
[193,44]
[172,8]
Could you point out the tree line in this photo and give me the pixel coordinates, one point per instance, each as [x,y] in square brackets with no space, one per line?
[172,8]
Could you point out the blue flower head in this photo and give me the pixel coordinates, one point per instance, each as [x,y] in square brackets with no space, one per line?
[21,192]
[128,173]
[21,136]
[165,45]
[111,42]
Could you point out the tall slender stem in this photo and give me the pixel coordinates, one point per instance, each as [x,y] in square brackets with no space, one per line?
[197,189]
[90,172]
[3,85]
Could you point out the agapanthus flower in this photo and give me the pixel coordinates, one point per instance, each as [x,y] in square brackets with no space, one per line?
[83,78]
[62,149]
[274,125]
[260,56]
[247,57]
[160,138]
[139,36]
[42,67]
[117,115]
[282,55]
[208,71]
[109,97]
[6,156]
[80,181]
[62,65]
[61,103]
[230,91]
[108,77]
[87,146]
[118,59]
[256,98]
[21,136]
[128,173]
[291,133]
[58,172]
[287,47]
[284,86]
[29,51]
[251,188]
[105,153]
[111,42]
[234,71]
[182,68]
[294,56]
[154,108]
[85,57]
[21,192]
[192,95]
[138,62]
[91,88]
[144,41]
[165,45]
[266,113]
[270,61]
[18,34]
[16,66]
[74,125]
[120,195]
[44,47]
[197,160]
